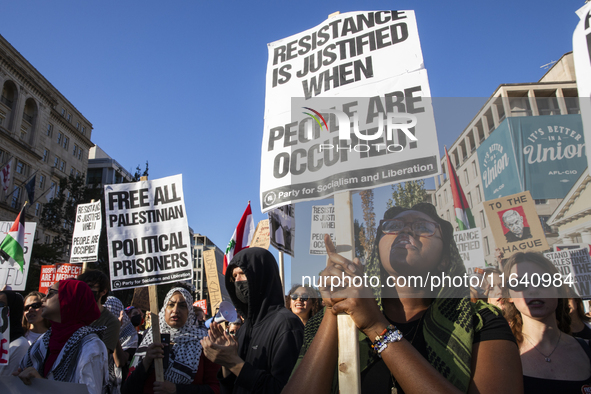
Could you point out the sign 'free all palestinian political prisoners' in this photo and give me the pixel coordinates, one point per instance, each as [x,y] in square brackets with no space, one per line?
[10,272]
[347,107]
[87,231]
[148,233]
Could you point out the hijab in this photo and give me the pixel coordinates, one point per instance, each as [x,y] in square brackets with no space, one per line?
[78,308]
[186,346]
[127,333]
[16,306]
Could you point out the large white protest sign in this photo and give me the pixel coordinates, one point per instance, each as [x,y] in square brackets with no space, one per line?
[582,60]
[347,107]
[10,272]
[4,337]
[148,233]
[575,267]
[323,222]
[469,244]
[87,230]
[282,229]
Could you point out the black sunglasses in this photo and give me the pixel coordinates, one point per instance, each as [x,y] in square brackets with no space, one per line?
[421,228]
[34,305]
[302,297]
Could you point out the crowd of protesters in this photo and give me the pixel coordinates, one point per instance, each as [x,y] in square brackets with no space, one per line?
[499,338]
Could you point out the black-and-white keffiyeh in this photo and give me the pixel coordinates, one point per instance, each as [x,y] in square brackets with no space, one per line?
[186,346]
[66,363]
[127,334]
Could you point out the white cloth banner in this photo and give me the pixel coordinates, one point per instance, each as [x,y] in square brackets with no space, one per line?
[582,59]
[10,272]
[359,68]
[87,231]
[148,233]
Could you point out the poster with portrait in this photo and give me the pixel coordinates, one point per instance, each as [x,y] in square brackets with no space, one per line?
[515,224]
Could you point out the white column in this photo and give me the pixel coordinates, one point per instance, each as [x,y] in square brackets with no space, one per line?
[586,236]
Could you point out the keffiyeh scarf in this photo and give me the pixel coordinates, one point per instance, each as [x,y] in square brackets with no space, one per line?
[186,346]
[128,334]
[64,367]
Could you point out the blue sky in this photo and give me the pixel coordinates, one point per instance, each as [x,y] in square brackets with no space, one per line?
[182,83]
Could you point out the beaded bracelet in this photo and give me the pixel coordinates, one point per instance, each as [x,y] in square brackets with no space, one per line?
[389,335]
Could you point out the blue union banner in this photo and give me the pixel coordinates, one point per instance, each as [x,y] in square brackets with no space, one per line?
[542,154]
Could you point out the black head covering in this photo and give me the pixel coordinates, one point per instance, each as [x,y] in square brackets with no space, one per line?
[265,292]
[16,304]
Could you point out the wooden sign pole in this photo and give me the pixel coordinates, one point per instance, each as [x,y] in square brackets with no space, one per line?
[155,323]
[348,364]
[281,273]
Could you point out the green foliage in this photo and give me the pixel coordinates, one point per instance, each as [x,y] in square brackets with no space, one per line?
[138,173]
[368,236]
[408,194]
[358,233]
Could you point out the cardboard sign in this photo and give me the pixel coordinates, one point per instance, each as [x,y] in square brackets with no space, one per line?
[202,304]
[515,224]
[469,244]
[574,264]
[10,273]
[87,231]
[4,337]
[323,222]
[148,233]
[261,238]
[338,73]
[282,228]
[213,282]
[54,273]
[141,298]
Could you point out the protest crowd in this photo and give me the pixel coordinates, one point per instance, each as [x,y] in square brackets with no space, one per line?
[500,338]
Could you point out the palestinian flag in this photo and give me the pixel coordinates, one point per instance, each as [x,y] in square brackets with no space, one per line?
[462,209]
[14,243]
[241,238]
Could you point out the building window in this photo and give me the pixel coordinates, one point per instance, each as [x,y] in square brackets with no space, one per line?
[1,156]
[79,153]
[69,117]
[56,162]
[45,155]
[469,196]
[541,201]
[37,209]
[47,239]
[49,129]
[64,112]
[16,195]
[83,130]
[66,142]
[72,171]
[62,166]
[20,167]
[448,217]
[445,195]
[466,176]
[486,246]
[78,125]
[482,220]
[474,169]
[478,197]
[41,181]
[75,150]
[59,138]
[544,220]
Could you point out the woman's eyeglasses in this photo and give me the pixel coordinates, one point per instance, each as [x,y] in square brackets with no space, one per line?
[420,228]
[34,305]
[302,297]
[51,293]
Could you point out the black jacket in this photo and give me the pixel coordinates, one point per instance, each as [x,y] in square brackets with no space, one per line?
[270,339]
